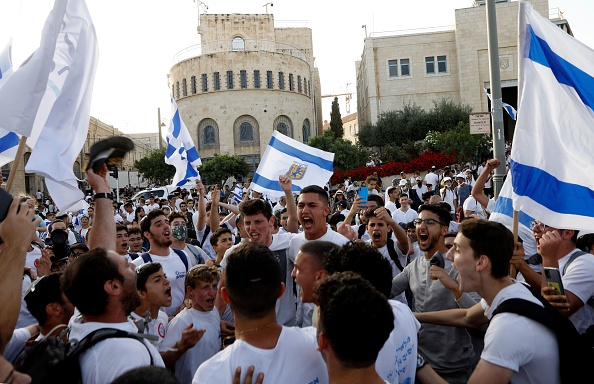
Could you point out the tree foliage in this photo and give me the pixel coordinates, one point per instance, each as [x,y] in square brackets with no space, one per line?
[336,120]
[220,167]
[154,168]
[459,141]
[346,155]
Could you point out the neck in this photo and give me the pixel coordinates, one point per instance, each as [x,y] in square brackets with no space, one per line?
[338,374]
[491,289]
[159,250]
[261,333]
[317,235]
[178,244]
[440,247]
[145,306]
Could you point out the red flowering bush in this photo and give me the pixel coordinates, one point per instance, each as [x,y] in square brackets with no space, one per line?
[422,163]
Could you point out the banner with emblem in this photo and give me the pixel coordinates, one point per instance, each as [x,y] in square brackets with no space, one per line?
[305,165]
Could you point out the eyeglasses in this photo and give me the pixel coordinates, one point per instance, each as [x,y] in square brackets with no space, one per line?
[536,226]
[59,265]
[418,222]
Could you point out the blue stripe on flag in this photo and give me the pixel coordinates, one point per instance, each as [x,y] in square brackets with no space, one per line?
[176,124]
[504,206]
[170,150]
[9,140]
[304,156]
[271,184]
[565,72]
[556,195]
[192,154]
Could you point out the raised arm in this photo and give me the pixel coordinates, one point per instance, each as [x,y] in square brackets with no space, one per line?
[201,222]
[403,242]
[104,233]
[478,189]
[472,317]
[215,218]
[292,221]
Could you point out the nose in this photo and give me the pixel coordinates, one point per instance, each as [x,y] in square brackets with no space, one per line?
[293,273]
[450,255]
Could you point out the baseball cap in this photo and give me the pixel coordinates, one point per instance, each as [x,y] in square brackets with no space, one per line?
[447,178]
[342,203]
[419,178]
[433,167]
[402,182]
[461,176]
[339,192]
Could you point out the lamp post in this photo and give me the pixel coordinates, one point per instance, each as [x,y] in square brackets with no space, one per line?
[161,124]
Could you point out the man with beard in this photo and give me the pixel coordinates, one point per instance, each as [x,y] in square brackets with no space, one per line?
[448,350]
[155,227]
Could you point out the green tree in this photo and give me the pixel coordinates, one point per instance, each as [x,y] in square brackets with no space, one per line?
[154,168]
[336,120]
[220,167]
[459,141]
[346,155]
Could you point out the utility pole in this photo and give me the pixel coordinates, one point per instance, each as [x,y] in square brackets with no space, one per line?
[496,108]
[159,123]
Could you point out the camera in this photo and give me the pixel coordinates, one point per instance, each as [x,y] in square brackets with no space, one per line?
[59,243]
[437,260]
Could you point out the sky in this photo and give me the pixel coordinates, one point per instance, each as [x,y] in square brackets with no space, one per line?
[138,41]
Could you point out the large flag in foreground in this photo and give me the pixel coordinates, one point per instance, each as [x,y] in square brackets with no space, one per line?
[9,141]
[62,120]
[504,213]
[181,151]
[552,157]
[305,165]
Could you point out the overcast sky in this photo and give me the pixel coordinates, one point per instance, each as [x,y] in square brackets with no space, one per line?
[138,40]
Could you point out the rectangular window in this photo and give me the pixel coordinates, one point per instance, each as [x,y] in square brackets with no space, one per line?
[269,79]
[429,64]
[442,65]
[291,85]
[217,81]
[305,85]
[193,85]
[243,78]
[204,82]
[393,68]
[177,89]
[185,87]
[281,80]
[256,78]
[299,89]
[404,67]
[229,79]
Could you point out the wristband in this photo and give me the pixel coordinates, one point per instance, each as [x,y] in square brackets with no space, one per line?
[103,195]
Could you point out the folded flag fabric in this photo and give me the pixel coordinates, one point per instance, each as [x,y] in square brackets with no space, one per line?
[552,157]
[9,141]
[237,195]
[181,151]
[511,111]
[305,166]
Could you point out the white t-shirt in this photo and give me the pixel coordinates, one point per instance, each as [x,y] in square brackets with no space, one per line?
[175,270]
[205,348]
[515,342]
[366,236]
[397,360]
[470,204]
[579,280]
[432,178]
[156,327]
[390,206]
[395,270]
[294,359]
[107,360]
[404,217]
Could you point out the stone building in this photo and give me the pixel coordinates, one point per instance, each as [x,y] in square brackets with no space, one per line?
[453,63]
[249,79]
[350,124]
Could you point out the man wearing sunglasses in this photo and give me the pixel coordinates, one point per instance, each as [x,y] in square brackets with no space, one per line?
[448,350]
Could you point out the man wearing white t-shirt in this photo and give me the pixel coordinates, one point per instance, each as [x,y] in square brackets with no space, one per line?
[404,214]
[251,286]
[431,177]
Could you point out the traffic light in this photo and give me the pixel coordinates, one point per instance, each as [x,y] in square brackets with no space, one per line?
[114,171]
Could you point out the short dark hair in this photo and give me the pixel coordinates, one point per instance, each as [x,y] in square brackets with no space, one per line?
[450,234]
[371,178]
[149,374]
[378,199]
[82,246]
[440,210]
[346,301]
[214,238]
[318,190]
[256,206]
[121,227]
[51,226]
[253,280]
[42,292]
[133,230]
[205,273]
[319,249]
[176,215]
[144,271]
[145,223]
[491,239]
[84,278]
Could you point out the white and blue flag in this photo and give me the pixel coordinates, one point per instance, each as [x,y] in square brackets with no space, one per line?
[237,195]
[181,151]
[503,213]
[305,166]
[511,111]
[9,141]
[552,156]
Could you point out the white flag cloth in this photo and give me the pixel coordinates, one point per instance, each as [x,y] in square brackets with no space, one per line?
[181,151]
[552,157]
[504,213]
[62,121]
[9,141]
[21,95]
[237,195]
[305,165]
[511,111]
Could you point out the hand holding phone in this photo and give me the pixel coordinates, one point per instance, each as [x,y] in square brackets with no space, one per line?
[363,193]
[553,279]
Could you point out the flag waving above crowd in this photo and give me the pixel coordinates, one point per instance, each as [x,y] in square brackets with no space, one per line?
[305,166]
[551,159]
[181,151]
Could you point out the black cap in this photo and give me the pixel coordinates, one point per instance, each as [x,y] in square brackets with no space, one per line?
[111,151]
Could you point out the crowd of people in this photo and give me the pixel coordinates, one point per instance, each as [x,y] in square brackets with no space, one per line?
[325,285]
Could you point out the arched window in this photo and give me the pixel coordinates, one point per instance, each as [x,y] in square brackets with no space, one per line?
[238,44]
[208,134]
[284,125]
[246,131]
[306,131]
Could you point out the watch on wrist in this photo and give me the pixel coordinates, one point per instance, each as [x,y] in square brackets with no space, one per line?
[103,195]
[420,362]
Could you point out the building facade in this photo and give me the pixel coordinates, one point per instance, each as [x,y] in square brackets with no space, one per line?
[250,79]
[425,67]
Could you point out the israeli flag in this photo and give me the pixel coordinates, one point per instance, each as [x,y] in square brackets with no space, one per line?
[181,151]
[552,156]
[237,195]
[305,165]
[9,141]
[511,111]
[504,213]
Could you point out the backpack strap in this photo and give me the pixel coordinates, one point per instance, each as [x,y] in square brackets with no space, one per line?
[146,257]
[182,256]
[393,254]
[571,259]
[78,347]
[206,232]
[133,255]
[196,252]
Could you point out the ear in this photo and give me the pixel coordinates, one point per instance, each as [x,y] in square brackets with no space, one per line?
[53,309]
[282,290]
[225,295]
[143,294]
[113,287]
[322,341]
[326,211]
[482,263]
[320,275]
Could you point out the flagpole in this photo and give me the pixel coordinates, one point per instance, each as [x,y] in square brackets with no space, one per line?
[16,162]
[512,268]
